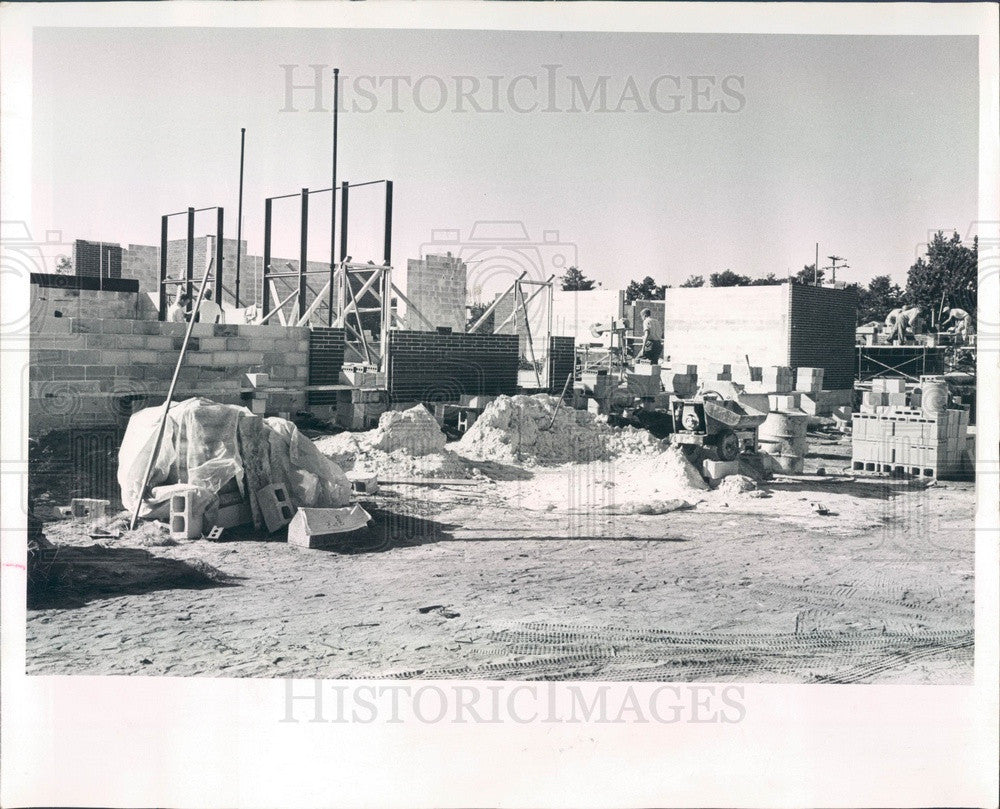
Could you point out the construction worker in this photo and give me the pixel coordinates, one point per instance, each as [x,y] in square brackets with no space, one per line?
[651,347]
[209,311]
[178,311]
[904,324]
[960,322]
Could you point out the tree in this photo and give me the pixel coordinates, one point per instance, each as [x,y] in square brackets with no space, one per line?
[878,299]
[64,266]
[807,275]
[694,281]
[476,311]
[948,274]
[645,290]
[576,280]
[728,278]
[768,280]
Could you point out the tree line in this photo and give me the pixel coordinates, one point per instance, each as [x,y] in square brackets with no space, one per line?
[944,277]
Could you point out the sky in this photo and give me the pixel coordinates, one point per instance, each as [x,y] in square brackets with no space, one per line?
[710,152]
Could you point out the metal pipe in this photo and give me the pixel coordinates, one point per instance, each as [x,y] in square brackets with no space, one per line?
[411,308]
[166,404]
[527,330]
[541,288]
[239,218]
[278,309]
[304,319]
[343,219]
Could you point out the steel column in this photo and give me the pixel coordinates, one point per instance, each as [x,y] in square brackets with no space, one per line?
[239,220]
[189,273]
[333,195]
[219,226]
[344,191]
[387,252]
[303,245]
[164,220]
[265,296]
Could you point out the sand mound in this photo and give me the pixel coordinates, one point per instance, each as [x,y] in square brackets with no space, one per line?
[736,484]
[516,429]
[406,443]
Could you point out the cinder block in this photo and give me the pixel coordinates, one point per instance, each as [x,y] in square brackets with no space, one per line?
[784,401]
[893,384]
[716,470]
[363,482]
[895,399]
[89,508]
[257,380]
[809,380]
[275,507]
[184,523]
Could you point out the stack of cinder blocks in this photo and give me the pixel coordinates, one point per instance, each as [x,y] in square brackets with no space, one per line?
[891,435]
[644,380]
[680,379]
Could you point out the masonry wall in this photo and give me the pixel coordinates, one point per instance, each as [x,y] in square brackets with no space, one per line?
[431,367]
[562,362]
[91,371]
[436,285]
[96,259]
[726,324]
[326,358]
[822,322]
[142,262]
[60,296]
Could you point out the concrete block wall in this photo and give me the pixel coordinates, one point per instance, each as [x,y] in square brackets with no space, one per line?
[437,286]
[68,302]
[326,358]
[821,332]
[142,262]
[86,371]
[432,367]
[562,362]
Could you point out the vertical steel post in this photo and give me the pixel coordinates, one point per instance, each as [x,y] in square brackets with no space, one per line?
[164,220]
[265,296]
[219,226]
[303,246]
[333,195]
[239,220]
[189,272]
[387,253]
[344,190]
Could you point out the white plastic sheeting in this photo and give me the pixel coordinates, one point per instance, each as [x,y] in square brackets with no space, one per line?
[200,448]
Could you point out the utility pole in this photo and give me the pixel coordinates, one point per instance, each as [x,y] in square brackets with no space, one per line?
[333,196]
[833,267]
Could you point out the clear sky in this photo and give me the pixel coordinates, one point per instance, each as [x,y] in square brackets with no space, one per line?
[864,144]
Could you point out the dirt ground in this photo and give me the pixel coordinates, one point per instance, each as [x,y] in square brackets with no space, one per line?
[466,582]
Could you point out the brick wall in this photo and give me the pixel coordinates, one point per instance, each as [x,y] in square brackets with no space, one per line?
[97,259]
[431,367]
[822,322]
[436,285]
[85,370]
[562,361]
[326,358]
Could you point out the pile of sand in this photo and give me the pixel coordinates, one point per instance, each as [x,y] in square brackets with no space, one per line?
[407,443]
[633,484]
[516,429]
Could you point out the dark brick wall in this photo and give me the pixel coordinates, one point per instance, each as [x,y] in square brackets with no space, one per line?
[97,259]
[431,367]
[562,359]
[822,322]
[326,358]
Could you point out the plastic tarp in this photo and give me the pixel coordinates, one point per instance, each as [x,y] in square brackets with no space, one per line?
[200,449]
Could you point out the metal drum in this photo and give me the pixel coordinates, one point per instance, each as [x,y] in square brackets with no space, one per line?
[933,397]
[783,437]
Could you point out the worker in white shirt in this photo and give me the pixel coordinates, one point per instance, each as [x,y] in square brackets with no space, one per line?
[652,338]
[957,321]
[904,324]
[210,311]
[178,311]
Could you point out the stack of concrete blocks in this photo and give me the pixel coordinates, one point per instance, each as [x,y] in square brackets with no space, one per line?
[360,408]
[784,402]
[436,286]
[681,380]
[644,380]
[714,471]
[891,434]
[714,372]
[770,379]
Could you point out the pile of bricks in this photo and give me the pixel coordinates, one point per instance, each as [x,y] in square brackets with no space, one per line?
[892,435]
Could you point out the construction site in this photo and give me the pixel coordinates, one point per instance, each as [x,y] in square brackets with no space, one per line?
[246,465]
